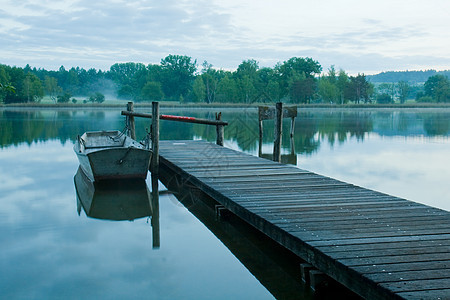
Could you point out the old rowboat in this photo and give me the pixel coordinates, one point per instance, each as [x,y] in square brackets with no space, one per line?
[111,155]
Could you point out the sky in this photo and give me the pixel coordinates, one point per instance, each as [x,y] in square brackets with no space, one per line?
[357,36]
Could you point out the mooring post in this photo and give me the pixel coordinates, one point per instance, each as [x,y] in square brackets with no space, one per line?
[154,168]
[219,130]
[260,123]
[155,212]
[278,131]
[131,131]
[292,126]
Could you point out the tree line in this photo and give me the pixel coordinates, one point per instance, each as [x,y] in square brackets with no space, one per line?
[178,78]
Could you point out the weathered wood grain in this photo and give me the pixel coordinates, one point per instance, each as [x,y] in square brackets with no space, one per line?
[380,246]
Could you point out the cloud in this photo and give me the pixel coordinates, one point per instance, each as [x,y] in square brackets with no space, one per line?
[99,33]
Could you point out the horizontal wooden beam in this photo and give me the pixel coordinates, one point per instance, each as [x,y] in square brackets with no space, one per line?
[177,118]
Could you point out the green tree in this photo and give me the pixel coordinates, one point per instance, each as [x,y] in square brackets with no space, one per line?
[227,90]
[97,97]
[438,88]
[384,98]
[51,87]
[247,68]
[328,91]
[359,89]
[73,80]
[342,83]
[302,88]
[65,98]
[16,78]
[267,85]
[32,88]
[199,89]
[295,67]
[125,76]
[152,91]
[177,74]
[387,88]
[5,86]
[403,90]
[211,79]
[328,86]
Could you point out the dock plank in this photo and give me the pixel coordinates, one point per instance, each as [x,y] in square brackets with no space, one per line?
[378,245]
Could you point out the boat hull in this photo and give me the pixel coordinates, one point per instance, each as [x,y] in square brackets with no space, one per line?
[115,163]
[113,199]
[112,162]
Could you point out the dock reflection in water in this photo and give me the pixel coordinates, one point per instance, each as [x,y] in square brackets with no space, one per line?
[117,200]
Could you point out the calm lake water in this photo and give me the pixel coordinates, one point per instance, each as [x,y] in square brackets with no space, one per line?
[52,249]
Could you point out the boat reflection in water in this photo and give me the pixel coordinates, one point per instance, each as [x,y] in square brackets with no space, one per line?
[117,200]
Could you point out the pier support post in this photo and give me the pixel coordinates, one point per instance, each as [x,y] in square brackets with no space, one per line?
[305,268]
[278,131]
[154,168]
[260,122]
[155,212]
[131,131]
[219,130]
[317,280]
[292,126]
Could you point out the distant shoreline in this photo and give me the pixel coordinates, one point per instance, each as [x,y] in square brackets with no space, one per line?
[221,105]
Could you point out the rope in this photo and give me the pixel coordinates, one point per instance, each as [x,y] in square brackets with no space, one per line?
[119,136]
[81,141]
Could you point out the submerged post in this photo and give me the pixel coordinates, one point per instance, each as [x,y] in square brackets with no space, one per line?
[131,131]
[154,168]
[219,130]
[278,132]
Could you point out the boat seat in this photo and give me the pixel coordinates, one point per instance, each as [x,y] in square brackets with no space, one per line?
[103,142]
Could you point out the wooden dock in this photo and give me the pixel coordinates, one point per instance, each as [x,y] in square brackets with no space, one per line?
[377,245]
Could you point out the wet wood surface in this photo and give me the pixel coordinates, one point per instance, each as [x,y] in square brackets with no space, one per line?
[380,246]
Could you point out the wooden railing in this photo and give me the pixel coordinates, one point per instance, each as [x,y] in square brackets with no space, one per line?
[156,116]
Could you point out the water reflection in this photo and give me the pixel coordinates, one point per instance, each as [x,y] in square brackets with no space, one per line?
[313,127]
[117,200]
[275,267]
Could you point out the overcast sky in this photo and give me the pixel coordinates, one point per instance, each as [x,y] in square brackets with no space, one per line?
[357,36]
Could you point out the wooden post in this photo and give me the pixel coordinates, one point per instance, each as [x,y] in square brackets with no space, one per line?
[292,126]
[219,130]
[154,168]
[260,135]
[278,131]
[131,132]
[155,212]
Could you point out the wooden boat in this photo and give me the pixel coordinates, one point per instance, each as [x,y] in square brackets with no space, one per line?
[114,199]
[111,155]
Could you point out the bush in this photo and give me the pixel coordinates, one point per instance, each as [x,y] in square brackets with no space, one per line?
[384,98]
[97,97]
[425,99]
[64,98]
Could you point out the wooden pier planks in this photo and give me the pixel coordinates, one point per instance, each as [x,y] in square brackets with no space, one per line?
[377,245]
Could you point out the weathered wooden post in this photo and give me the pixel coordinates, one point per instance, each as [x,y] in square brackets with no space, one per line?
[292,126]
[155,212]
[131,131]
[260,123]
[278,131]
[154,168]
[219,130]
